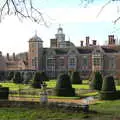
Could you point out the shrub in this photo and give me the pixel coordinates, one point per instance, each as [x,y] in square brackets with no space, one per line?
[2,75]
[44,76]
[75,79]
[10,75]
[22,77]
[108,84]
[70,73]
[37,80]
[64,86]
[4,92]
[17,78]
[108,89]
[27,77]
[96,82]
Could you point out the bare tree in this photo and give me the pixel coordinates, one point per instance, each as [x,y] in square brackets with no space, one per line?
[22,9]
[26,9]
[85,3]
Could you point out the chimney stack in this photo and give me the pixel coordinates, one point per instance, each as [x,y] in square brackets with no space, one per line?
[8,56]
[94,42]
[14,58]
[111,40]
[87,40]
[0,53]
[81,43]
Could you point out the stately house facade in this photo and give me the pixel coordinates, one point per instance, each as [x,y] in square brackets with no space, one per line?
[64,56]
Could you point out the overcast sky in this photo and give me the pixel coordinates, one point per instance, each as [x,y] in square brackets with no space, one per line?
[77,22]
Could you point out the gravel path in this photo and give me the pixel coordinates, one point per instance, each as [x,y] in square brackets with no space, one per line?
[79,101]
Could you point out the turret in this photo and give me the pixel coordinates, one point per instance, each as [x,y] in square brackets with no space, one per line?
[35,47]
[60,36]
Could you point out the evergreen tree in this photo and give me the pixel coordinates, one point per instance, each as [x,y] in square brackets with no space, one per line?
[108,84]
[17,78]
[27,77]
[64,86]
[10,75]
[76,78]
[37,80]
[108,91]
[96,82]
[44,76]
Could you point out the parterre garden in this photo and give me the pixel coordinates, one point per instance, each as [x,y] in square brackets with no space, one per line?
[104,90]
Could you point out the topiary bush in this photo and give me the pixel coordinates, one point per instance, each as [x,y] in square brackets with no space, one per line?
[17,78]
[64,86]
[10,75]
[27,77]
[75,78]
[4,92]
[96,82]
[108,84]
[108,91]
[44,76]
[37,80]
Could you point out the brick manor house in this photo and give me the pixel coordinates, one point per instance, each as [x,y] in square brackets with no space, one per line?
[64,56]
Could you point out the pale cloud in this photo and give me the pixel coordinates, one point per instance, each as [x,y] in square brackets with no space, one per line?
[63,15]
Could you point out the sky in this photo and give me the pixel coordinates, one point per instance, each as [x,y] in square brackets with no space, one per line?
[77,23]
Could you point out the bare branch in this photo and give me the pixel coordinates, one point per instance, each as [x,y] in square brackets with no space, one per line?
[116,20]
[103,7]
[22,9]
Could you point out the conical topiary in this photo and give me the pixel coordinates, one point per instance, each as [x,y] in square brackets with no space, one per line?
[44,76]
[75,78]
[37,80]
[108,91]
[10,75]
[96,82]
[64,86]
[108,84]
[17,78]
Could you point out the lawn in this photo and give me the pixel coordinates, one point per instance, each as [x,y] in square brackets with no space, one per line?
[82,90]
[37,114]
[101,110]
[13,86]
[105,110]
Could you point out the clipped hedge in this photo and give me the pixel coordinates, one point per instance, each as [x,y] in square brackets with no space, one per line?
[96,82]
[17,78]
[37,80]
[108,91]
[108,95]
[4,92]
[75,79]
[64,86]
[108,84]
[65,92]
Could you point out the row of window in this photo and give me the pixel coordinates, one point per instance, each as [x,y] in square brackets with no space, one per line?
[72,61]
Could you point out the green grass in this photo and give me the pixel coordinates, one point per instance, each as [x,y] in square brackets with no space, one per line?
[51,84]
[108,110]
[36,114]
[102,110]
[13,86]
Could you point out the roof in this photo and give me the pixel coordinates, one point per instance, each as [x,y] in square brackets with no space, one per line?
[84,50]
[35,38]
[109,50]
[61,51]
